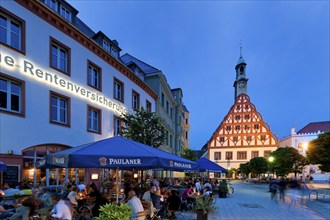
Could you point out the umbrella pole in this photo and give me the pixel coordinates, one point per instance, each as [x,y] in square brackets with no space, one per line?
[117,187]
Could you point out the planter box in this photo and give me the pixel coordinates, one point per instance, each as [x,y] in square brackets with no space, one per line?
[201,215]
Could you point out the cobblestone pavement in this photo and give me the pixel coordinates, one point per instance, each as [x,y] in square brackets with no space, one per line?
[253,201]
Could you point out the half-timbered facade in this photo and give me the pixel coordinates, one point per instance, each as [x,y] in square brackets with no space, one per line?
[243,134]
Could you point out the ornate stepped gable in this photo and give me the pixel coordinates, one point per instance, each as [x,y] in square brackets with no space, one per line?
[243,126]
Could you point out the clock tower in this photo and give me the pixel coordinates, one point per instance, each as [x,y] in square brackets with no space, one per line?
[240,83]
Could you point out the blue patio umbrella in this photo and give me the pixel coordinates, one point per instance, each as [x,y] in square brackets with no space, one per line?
[119,153]
[205,165]
[2,166]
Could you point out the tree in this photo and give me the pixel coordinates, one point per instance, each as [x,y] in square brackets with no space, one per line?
[318,151]
[188,154]
[144,127]
[258,165]
[285,159]
[244,168]
[299,164]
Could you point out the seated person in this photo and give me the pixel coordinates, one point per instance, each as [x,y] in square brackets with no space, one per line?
[73,196]
[62,208]
[147,195]
[208,191]
[27,209]
[173,202]
[157,203]
[135,203]
[188,193]
[45,198]
[5,213]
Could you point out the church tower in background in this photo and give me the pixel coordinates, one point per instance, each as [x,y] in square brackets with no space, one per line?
[242,134]
[240,83]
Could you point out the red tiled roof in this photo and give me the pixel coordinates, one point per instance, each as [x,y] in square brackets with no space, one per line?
[315,127]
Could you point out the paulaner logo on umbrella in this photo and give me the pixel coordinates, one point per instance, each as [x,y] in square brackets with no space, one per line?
[103,161]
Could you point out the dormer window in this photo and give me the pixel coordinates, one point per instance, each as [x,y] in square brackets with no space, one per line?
[106,46]
[65,13]
[114,52]
[139,74]
[52,4]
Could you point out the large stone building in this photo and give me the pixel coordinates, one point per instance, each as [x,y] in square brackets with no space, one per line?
[61,85]
[242,134]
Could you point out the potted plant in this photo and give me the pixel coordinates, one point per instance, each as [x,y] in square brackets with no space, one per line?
[115,212]
[223,189]
[203,206]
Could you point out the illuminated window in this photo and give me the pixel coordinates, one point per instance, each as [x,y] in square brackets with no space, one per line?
[241,155]
[60,109]
[11,95]
[148,106]
[217,155]
[60,56]
[229,155]
[94,120]
[94,76]
[118,90]
[117,126]
[135,100]
[12,31]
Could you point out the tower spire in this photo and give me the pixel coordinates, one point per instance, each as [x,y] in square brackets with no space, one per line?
[240,47]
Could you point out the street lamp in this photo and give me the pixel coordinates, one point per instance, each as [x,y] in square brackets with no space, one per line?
[271,159]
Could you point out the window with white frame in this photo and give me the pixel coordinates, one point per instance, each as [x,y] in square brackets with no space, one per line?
[59,109]
[106,46]
[116,126]
[60,57]
[94,120]
[12,30]
[135,100]
[65,13]
[11,95]
[94,76]
[118,90]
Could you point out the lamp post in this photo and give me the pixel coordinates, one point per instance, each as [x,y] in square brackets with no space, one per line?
[229,173]
[271,159]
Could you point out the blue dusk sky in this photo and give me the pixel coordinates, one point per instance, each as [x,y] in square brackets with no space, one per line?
[196,45]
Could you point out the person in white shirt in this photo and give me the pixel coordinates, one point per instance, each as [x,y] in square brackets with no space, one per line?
[198,186]
[135,203]
[63,209]
[73,196]
[147,195]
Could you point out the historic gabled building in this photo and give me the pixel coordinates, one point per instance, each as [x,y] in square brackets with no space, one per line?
[242,134]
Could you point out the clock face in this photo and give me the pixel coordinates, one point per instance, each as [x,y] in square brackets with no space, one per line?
[241,84]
